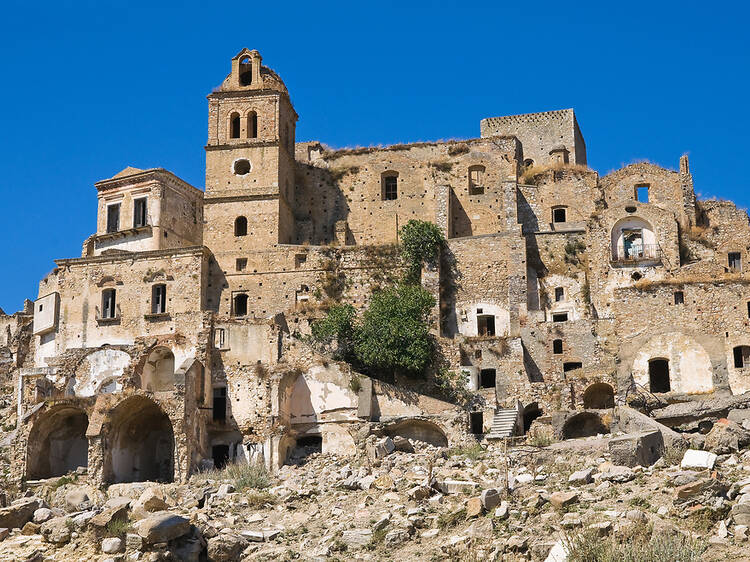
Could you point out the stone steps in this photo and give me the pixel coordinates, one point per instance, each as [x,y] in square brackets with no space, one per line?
[503,423]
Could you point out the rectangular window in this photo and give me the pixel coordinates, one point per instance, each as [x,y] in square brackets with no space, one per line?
[390,188]
[139,213]
[641,193]
[113,217]
[300,260]
[108,303]
[220,338]
[739,362]
[735,261]
[571,366]
[558,215]
[241,264]
[560,317]
[559,294]
[557,347]
[486,325]
[220,403]
[159,299]
[476,180]
[748,309]
[679,297]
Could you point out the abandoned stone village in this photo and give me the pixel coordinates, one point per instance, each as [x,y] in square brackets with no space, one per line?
[567,305]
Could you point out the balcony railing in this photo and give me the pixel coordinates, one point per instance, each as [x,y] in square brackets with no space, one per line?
[639,253]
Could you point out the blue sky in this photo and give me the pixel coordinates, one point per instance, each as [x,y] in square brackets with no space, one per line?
[91,87]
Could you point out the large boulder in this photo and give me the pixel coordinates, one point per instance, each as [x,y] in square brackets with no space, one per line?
[226,546]
[57,530]
[726,437]
[150,501]
[162,526]
[637,449]
[19,513]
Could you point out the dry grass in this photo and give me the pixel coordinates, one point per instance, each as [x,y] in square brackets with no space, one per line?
[641,547]
[241,475]
[529,175]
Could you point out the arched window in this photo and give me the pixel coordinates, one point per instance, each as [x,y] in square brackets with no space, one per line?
[234,126]
[246,71]
[476,180]
[240,305]
[389,186]
[252,125]
[240,226]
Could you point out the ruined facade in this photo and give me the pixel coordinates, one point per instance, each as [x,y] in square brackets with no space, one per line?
[172,342]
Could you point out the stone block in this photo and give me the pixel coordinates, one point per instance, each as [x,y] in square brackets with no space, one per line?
[18,514]
[698,459]
[637,449]
[490,499]
[162,526]
[111,545]
[563,499]
[474,507]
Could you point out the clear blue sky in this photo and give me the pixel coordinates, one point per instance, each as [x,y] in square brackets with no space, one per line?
[91,87]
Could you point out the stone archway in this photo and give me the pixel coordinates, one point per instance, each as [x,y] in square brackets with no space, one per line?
[585,424]
[419,430]
[599,396]
[140,443]
[57,443]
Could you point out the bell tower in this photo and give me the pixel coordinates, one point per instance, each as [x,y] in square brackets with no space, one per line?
[249,157]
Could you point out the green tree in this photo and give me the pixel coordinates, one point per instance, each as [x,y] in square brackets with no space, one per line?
[338,326]
[394,336]
[421,242]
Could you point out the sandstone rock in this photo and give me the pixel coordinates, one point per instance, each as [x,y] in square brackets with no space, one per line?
[710,486]
[571,521]
[57,530]
[18,514]
[558,553]
[456,486]
[384,482]
[618,474]
[502,511]
[381,448]
[162,526]
[403,444]
[517,544]
[474,507]
[726,437]
[698,459]
[149,501]
[104,518]
[42,514]
[111,545]
[30,529]
[584,476]
[490,499]
[602,529]
[133,541]
[396,536]
[226,547]
[224,489]
[563,499]
[741,513]
[77,499]
[419,493]
[356,537]
[740,533]
[382,523]
[482,528]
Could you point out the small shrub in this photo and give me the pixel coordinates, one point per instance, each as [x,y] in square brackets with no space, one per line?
[452,386]
[355,384]
[260,499]
[62,481]
[442,166]
[642,547]
[117,527]
[421,242]
[448,520]
[242,475]
[457,149]
[473,451]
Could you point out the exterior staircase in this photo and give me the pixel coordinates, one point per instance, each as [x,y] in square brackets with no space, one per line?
[503,423]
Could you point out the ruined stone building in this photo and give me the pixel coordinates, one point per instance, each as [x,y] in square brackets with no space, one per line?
[172,342]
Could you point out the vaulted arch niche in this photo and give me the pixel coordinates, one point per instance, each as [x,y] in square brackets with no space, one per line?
[57,443]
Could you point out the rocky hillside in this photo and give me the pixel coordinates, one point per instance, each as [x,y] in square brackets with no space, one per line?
[403,500]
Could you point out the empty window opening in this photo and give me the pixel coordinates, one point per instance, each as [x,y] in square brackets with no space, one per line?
[741,356]
[234,126]
[679,297]
[559,215]
[559,294]
[476,180]
[641,193]
[220,403]
[530,413]
[632,241]
[658,375]
[300,260]
[220,338]
[599,396]
[486,325]
[108,303]
[572,366]
[241,264]
[735,261]
[246,71]
[113,217]
[252,125]
[478,354]
[139,213]
[560,317]
[159,299]
[390,186]
[487,378]
[220,454]
[477,422]
[748,309]
[240,226]
[242,167]
[557,347]
[240,305]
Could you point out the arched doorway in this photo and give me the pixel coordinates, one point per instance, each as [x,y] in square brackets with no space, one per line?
[530,413]
[584,424]
[599,396]
[57,443]
[658,375]
[158,372]
[419,430]
[141,443]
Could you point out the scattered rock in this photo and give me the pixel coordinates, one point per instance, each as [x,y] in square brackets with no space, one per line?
[18,514]
[636,449]
[563,499]
[356,537]
[698,459]
[111,545]
[162,526]
[380,449]
[57,530]
[490,499]
[226,546]
[42,514]
[474,507]
[581,477]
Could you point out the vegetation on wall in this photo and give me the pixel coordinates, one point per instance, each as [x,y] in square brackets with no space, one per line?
[421,242]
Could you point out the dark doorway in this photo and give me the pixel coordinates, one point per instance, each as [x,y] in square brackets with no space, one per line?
[305,446]
[220,453]
[477,423]
[487,378]
[530,413]
[585,424]
[658,375]
[486,325]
